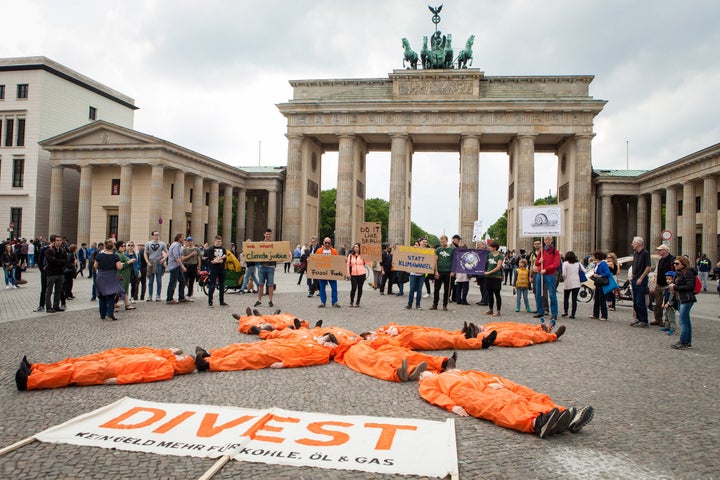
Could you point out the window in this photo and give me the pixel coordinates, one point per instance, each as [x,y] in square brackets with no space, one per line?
[9,124]
[115,190]
[22,90]
[172,192]
[92,113]
[18,172]
[20,138]
[207,202]
[16,219]
[2,92]
[698,204]
[112,226]
[679,212]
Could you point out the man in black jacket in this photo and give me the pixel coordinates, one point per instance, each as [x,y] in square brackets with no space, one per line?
[665,264]
[55,260]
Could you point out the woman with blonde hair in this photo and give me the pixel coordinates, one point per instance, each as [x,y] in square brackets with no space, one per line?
[614,266]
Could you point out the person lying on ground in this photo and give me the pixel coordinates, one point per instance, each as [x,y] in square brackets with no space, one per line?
[253,322]
[390,362]
[502,401]
[341,336]
[513,334]
[274,353]
[417,337]
[117,366]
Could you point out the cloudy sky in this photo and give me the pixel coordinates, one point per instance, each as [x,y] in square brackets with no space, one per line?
[207,75]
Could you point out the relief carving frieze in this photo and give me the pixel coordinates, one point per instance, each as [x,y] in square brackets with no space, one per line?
[436,87]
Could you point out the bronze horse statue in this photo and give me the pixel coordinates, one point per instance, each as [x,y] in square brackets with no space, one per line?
[425,54]
[409,55]
[466,54]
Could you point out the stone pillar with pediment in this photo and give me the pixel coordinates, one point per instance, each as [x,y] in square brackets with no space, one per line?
[197,225]
[469,185]
[687,229]
[84,204]
[56,200]
[125,202]
[227,214]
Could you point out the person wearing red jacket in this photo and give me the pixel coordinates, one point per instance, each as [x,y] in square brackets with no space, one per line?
[547,264]
[502,401]
[119,366]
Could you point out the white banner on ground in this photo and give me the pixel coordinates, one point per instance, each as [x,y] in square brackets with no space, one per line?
[371,444]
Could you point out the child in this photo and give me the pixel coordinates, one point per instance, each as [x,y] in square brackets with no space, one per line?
[522,285]
[462,285]
[669,306]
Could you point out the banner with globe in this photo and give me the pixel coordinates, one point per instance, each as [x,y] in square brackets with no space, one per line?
[469,261]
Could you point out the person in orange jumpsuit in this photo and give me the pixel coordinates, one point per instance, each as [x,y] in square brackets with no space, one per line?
[502,401]
[390,362]
[253,322]
[337,335]
[273,353]
[117,366]
[429,338]
[512,334]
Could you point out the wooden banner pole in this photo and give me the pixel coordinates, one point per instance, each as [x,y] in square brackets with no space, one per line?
[215,468]
[17,445]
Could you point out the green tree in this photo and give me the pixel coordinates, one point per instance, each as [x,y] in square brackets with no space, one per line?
[327,213]
[498,230]
[378,210]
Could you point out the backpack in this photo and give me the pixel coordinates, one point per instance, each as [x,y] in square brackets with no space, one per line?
[698,285]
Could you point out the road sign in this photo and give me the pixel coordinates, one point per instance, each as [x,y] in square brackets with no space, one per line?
[666,235]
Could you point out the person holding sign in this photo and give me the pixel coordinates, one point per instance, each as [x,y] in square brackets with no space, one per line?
[327,249]
[442,272]
[266,275]
[356,273]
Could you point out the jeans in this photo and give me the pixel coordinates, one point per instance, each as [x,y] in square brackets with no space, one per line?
[641,310]
[249,273]
[548,280]
[157,277]
[573,292]
[106,304]
[176,277]
[333,291]
[685,325]
[522,294]
[9,276]
[415,288]
[216,277]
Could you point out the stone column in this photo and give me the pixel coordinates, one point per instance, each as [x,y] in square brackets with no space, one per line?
[252,206]
[240,218]
[671,218]
[398,189]
[525,187]
[56,200]
[294,191]
[655,218]
[642,219]
[227,214]
[157,188]
[272,211]
[178,205]
[606,223]
[198,202]
[709,217]
[125,202]
[213,210]
[84,204]
[345,187]
[581,238]
[688,223]
[469,182]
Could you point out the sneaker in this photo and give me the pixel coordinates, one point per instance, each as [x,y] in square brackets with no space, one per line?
[172,302]
[450,362]
[497,314]
[427,295]
[489,312]
[489,339]
[545,328]
[157,299]
[223,304]
[560,331]
[255,330]
[402,372]
[434,307]
[322,305]
[257,304]
[7,287]
[270,304]
[582,418]
[408,307]
[545,421]
[682,346]
[538,315]
[564,420]
[336,305]
[148,299]
[236,316]
[415,374]
[418,307]
[189,299]
[530,310]
[200,363]
[665,329]
[635,323]
[210,304]
[641,325]
[552,323]
[517,309]
[399,294]
[671,332]
[564,314]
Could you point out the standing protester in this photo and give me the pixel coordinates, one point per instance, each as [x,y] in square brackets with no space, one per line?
[71,270]
[704,265]
[684,286]
[82,257]
[125,274]
[266,275]
[386,270]
[55,260]
[107,264]
[91,259]
[31,254]
[191,258]
[494,278]
[639,281]
[131,254]
[327,249]
[177,272]
[215,257]
[443,268]
[665,265]
[356,273]
[571,283]
[156,251]
[547,263]
[313,284]
[9,260]
[142,270]
[249,275]
[480,279]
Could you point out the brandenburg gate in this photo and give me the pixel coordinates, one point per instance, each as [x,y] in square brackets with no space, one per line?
[459,110]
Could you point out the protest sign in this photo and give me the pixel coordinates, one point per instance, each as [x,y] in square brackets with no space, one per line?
[540,221]
[278,252]
[326,267]
[371,241]
[469,261]
[414,259]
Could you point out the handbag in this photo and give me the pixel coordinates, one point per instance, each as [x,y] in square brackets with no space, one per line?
[583,277]
[601,281]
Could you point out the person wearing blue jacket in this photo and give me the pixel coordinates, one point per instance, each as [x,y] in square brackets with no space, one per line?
[604,283]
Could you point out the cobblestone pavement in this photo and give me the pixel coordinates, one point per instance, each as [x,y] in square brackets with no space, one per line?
[656,408]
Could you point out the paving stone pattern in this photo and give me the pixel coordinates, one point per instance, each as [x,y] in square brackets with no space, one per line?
[656,408]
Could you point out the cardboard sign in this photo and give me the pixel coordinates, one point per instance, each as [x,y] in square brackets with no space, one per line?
[278,252]
[274,436]
[371,241]
[326,267]
[414,259]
